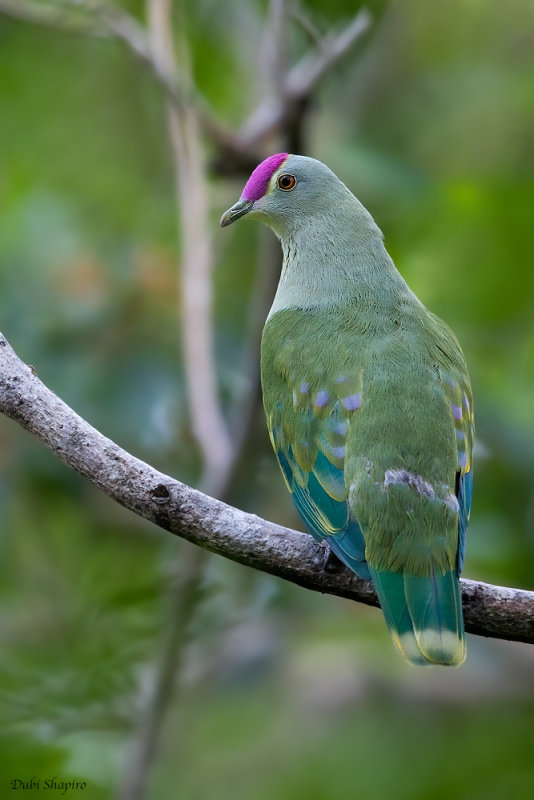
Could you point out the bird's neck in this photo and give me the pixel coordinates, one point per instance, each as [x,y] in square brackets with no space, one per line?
[337,259]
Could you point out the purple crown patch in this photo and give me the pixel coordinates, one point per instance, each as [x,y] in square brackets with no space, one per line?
[257,184]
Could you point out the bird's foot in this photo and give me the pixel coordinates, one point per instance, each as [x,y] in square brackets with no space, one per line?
[331,563]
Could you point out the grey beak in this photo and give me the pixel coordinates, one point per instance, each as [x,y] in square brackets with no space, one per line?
[239,209]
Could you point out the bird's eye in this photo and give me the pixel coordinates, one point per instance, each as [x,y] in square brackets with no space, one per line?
[286,182]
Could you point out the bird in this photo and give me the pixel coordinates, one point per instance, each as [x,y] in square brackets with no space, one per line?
[368,404]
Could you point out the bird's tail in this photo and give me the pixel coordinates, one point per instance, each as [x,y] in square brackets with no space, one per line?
[424,615]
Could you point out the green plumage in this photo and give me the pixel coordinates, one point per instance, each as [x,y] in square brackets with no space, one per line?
[369,409]
[409,528]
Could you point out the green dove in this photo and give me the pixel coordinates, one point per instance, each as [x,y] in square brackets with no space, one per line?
[368,404]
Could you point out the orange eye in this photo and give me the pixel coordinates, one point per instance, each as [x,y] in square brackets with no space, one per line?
[286,182]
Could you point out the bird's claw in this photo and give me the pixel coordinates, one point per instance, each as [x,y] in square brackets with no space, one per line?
[331,562]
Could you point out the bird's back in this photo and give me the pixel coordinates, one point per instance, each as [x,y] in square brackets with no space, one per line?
[363,413]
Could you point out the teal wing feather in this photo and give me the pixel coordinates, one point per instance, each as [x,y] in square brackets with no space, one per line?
[464,494]
[465,429]
[458,394]
[308,433]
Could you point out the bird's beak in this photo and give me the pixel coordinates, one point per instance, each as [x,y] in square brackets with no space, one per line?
[239,209]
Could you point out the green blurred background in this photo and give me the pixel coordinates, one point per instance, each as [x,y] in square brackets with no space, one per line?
[281,693]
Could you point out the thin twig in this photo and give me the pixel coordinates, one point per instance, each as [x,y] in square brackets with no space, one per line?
[207,421]
[274,51]
[302,19]
[182,600]
[307,73]
[106,19]
[50,17]
[271,112]
[196,256]
[184,96]
[301,80]
[496,611]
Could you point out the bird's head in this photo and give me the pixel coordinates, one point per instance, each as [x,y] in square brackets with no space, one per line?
[284,190]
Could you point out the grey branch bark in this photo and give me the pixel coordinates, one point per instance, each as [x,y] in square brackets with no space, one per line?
[495,611]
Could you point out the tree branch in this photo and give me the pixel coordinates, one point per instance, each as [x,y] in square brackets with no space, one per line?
[270,115]
[183,597]
[196,255]
[196,262]
[300,81]
[106,19]
[496,611]
[48,16]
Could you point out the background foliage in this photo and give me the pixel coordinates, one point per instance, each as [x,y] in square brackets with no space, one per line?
[283,694]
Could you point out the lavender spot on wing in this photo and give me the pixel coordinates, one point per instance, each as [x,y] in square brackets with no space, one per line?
[466,403]
[462,460]
[338,452]
[456,411]
[342,428]
[321,398]
[304,387]
[352,402]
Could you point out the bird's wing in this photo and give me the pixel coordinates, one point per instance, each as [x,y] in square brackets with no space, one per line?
[461,403]
[308,425]
[452,369]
